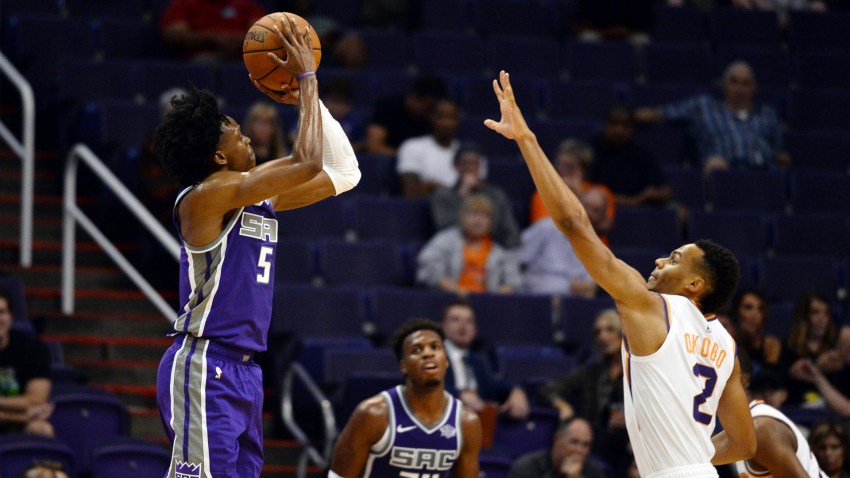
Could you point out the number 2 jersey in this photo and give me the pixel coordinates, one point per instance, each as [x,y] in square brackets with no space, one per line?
[226,287]
[408,448]
[671,396]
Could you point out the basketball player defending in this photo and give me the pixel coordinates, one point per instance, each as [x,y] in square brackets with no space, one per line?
[209,390]
[680,369]
[782,449]
[415,430]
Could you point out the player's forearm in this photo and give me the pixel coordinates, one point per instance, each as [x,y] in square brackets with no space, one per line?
[727,450]
[563,205]
[308,139]
[833,398]
[338,158]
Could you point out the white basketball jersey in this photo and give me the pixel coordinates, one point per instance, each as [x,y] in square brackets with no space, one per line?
[804,453]
[671,396]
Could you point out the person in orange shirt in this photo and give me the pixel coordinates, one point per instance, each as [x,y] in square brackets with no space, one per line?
[572,161]
[464,258]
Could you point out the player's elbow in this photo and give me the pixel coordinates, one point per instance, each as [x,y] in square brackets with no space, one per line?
[747,446]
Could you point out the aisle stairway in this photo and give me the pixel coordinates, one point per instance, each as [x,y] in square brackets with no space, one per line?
[115,338]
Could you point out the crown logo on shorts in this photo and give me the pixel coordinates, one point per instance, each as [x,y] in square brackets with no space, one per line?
[184,469]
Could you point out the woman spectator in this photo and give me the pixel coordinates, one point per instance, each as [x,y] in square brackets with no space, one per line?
[465,258]
[262,125]
[829,442]
[813,337]
[749,314]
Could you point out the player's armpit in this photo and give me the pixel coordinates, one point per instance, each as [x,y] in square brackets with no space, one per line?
[466,466]
[365,427]
[777,449]
[738,439]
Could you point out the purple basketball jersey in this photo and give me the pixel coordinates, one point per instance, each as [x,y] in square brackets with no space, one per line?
[411,447]
[226,287]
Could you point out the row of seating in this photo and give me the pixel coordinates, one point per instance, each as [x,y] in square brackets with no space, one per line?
[341,313]
[92,439]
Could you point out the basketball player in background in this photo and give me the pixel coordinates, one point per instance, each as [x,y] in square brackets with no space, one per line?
[680,367]
[782,449]
[209,390]
[415,430]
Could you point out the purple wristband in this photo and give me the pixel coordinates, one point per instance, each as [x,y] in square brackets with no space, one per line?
[305,74]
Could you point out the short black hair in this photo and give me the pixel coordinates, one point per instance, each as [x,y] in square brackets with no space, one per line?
[466,147]
[409,327]
[187,138]
[723,272]
[456,302]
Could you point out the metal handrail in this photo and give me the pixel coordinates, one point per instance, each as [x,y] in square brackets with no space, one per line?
[26,151]
[73,215]
[309,452]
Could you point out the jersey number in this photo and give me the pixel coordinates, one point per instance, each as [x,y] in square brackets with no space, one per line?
[710,375]
[410,474]
[265,264]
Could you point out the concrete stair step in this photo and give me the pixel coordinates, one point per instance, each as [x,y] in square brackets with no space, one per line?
[50,251]
[109,325]
[110,347]
[85,277]
[112,302]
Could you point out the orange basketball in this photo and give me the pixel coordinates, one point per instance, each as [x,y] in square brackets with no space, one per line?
[262,39]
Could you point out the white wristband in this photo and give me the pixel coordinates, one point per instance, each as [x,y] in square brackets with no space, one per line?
[331,474]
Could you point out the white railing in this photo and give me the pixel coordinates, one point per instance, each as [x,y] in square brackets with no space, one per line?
[73,215]
[309,453]
[25,150]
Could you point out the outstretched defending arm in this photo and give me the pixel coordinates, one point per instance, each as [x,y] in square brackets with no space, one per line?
[622,282]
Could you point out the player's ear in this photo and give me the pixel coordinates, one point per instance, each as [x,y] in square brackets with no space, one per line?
[219,158]
[697,284]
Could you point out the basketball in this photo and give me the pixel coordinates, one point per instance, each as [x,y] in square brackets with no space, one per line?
[262,39]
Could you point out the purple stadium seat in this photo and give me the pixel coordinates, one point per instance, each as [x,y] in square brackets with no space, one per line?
[687,184]
[493,466]
[677,63]
[514,319]
[327,218]
[392,306]
[785,278]
[533,365]
[447,15]
[429,52]
[18,452]
[386,49]
[579,100]
[577,316]
[158,76]
[342,364]
[630,228]
[743,233]
[599,61]
[678,25]
[367,263]
[13,286]
[314,312]
[819,150]
[129,458]
[737,26]
[88,80]
[526,54]
[295,261]
[523,436]
[816,31]
[820,192]
[819,110]
[391,218]
[81,418]
[812,234]
[512,17]
[747,190]
[822,70]
[123,38]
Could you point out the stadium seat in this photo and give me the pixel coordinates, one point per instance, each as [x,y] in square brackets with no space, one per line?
[514,319]
[743,27]
[822,70]
[447,15]
[812,234]
[526,54]
[296,261]
[392,306]
[630,228]
[607,61]
[677,63]
[819,150]
[533,366]
[687,184]
[18,452]
[820,192]
[368,263]
[82,80]
[682,24]
[523,436]
[129,458]
[328,218]
[429,52]
[576,317]
[818,32]
[816,109]
[512,17]
[313,312]
[158,76]
[386,49]
[747,191]
[579,100]
[743,233]
[785,278]
[391,218]
[120,38]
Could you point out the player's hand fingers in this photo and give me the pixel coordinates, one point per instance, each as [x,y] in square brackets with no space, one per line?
[491,124]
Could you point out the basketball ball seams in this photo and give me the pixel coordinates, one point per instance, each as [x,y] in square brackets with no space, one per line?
[258,44]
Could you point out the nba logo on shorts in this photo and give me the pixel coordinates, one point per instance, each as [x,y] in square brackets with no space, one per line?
[187,470]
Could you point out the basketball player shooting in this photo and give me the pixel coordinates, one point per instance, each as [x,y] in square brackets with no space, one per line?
[209,390]
[681,370]
[415,430]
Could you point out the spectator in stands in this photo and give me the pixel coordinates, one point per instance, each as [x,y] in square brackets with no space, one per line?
[748,313]
[549,265]
[830,443]
[733,132]
[209,30]
[263,127]
[594,391]
[24,378]
[426,162]
[813,337]
[465,259]
[573,161]
[600,20]
[629,170]
[568,457]
[45,469]
[446,201]
[806,370]
[400,117]
[338,97]
[471,374]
